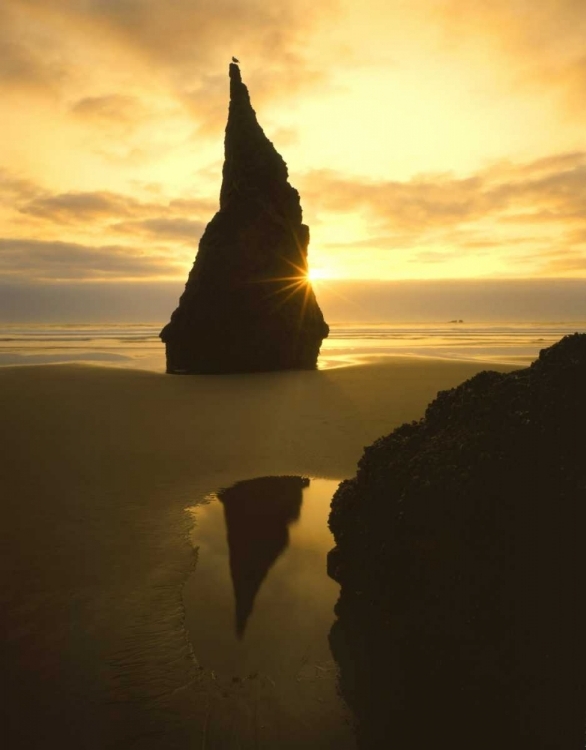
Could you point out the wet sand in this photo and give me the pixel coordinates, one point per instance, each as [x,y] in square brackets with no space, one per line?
[98,466]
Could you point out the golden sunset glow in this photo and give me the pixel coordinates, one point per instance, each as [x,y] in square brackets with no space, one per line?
[315,274]
[436,139]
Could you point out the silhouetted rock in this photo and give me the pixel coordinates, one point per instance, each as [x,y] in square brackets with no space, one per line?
[460,553]
[258,513]
[247,304]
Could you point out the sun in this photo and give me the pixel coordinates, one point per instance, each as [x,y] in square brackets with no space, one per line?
[315,274]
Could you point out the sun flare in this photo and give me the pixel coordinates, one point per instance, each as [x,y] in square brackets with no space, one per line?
[316,274]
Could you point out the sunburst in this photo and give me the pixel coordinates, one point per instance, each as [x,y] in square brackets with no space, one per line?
[317,274]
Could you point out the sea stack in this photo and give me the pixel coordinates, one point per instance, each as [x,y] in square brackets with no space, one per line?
[248,305]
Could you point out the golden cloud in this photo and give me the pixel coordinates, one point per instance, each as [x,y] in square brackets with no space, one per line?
[73,207]
[161,228]
[551,190]
[174,42]
[110,108]
[15,188]
[40,260]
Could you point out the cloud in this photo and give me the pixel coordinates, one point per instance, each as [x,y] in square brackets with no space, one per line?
[200,206]
[33,58]
[415,205]
[432,256]
[110,108]
[161,228]
[578,236]
[22,64]
[102,206]
[41,260]
[562,190]
[188,31]
[15,188]
[430,219]
[177,222]
[23,68]
[567,263]
[552,189]
[174,43]
[550,164]
[478,222]
[82,206]
[551,261]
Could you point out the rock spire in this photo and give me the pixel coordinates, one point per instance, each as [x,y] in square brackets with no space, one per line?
[248,305]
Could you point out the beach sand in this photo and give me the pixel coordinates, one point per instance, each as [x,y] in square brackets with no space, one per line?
[98,466]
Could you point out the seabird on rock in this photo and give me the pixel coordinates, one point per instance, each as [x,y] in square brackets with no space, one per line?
[235,60]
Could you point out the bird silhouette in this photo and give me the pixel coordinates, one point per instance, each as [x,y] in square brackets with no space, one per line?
[235,60]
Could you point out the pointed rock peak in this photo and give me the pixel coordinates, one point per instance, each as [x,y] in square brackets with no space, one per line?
[252,164]
[248,305]
[237,88]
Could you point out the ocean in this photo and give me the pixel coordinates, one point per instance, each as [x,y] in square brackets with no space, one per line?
[138,346]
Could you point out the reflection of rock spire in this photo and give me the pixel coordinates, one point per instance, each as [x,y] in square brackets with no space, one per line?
[248,304]
[258,513]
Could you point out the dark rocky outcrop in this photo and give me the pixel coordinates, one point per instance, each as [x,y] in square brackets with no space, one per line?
[460,553]
[248,305]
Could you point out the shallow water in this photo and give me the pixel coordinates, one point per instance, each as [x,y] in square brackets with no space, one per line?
[259,608]
[138,345]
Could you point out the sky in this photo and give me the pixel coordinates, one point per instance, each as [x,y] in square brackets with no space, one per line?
[429,139]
